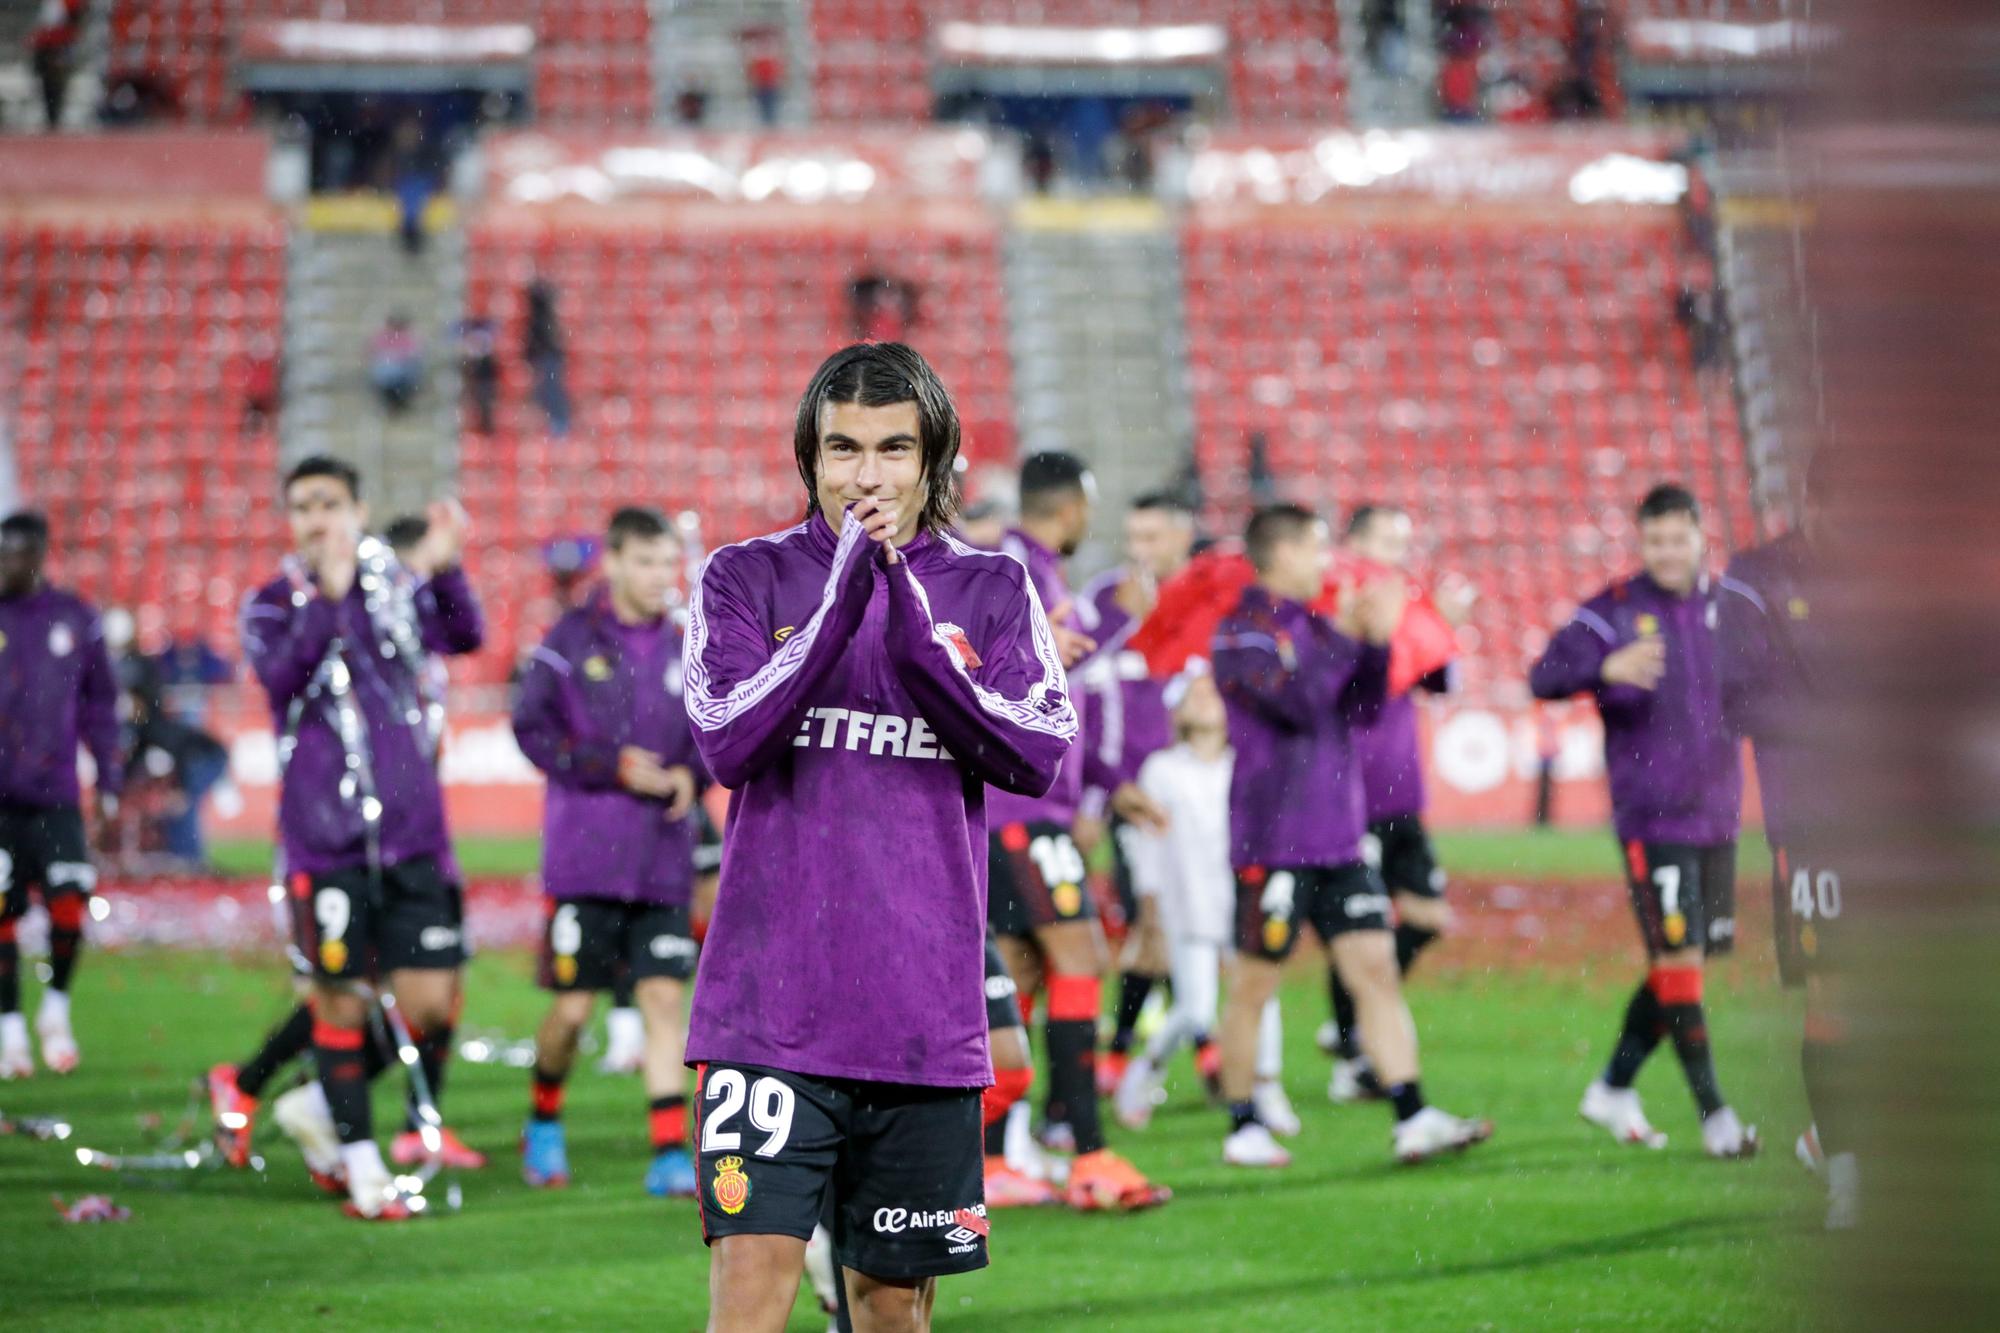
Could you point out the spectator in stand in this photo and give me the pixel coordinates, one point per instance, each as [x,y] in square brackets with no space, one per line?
[51,50]
[186,670]
[1698,310]
[691,105]
[1462,28]
[396,363]
[1038,159]
[543,351]
[764,69]
[883,307]
[1384,38]
[479,367]
[262,385]
[170,754]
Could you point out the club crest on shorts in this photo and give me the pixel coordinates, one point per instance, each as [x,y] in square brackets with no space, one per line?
[1277,931]
[333,955]
[1808,941]
[1068,898]
[62,640]
[565,970]
[1676,928]
[731,1187]
[596,668]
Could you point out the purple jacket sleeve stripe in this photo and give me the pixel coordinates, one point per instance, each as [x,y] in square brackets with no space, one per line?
[1027,712]
[741,728]
[1597,624]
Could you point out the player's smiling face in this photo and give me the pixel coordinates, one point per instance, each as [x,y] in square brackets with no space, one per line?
[871,453]
[1670,547]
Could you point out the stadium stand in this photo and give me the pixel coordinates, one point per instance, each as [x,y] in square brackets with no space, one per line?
[592,62]
[687,347]
[135,341]
[1514,378]
[873,56]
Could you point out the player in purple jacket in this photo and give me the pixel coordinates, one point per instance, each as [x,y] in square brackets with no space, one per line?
[1296,687]
[1392,788]
[1125,721]
[341,642]
[1774,652]
[1040,907]
[1645,649]
[56,690]
[858,681]
[600,711]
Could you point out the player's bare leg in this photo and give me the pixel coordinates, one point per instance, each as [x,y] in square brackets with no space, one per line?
[428,999]
[884,1305]
[544,1151]
[1366,960]
[660,1001]
[753,1282]
[1252,984]
[1825,1057]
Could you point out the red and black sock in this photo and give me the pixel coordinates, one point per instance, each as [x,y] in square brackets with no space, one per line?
[667,1121]
[66,913]
[433,1052]
[286,1043]
[1636,1040]
[547,1095]
[1824,1060]
[1133,988]
[1009,1086]
[1678,990]
[1071,1033]
[10,967]
[344,1076]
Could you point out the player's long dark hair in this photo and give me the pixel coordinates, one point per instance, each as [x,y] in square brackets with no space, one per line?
[880,375]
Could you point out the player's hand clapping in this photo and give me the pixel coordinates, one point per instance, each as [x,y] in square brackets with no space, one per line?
[1372,610]
[1641,663]
[879,520]
[1131,804]
[443,541]
[641,773]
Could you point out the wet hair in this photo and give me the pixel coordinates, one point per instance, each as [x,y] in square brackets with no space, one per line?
[1363,515]
[1049,478]
[405,532]
[882,375]
[324,465]
[30,525]
[1274,524]
[1163,502]
[640,523]
[1669,498]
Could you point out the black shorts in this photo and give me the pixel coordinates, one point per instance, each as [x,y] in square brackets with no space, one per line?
[1271,905]
[906,1166]
[42,846]
[1003,997]
[586,941]
[1399,848]
[1807,906]
[1034,878]
[708,843]
[1684,896]
[351,925]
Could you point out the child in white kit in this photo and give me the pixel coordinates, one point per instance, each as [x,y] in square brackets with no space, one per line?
[1185,870]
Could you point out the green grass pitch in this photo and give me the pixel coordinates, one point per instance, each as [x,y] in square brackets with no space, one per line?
[1549,1226]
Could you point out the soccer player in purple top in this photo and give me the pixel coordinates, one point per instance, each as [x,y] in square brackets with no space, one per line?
[1039,902]
[858,682]
[1125,721]
[341,641]
[56,690]
[1645,650]
[1295,687]
[1392,787]
[600,711]
[1775,653]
